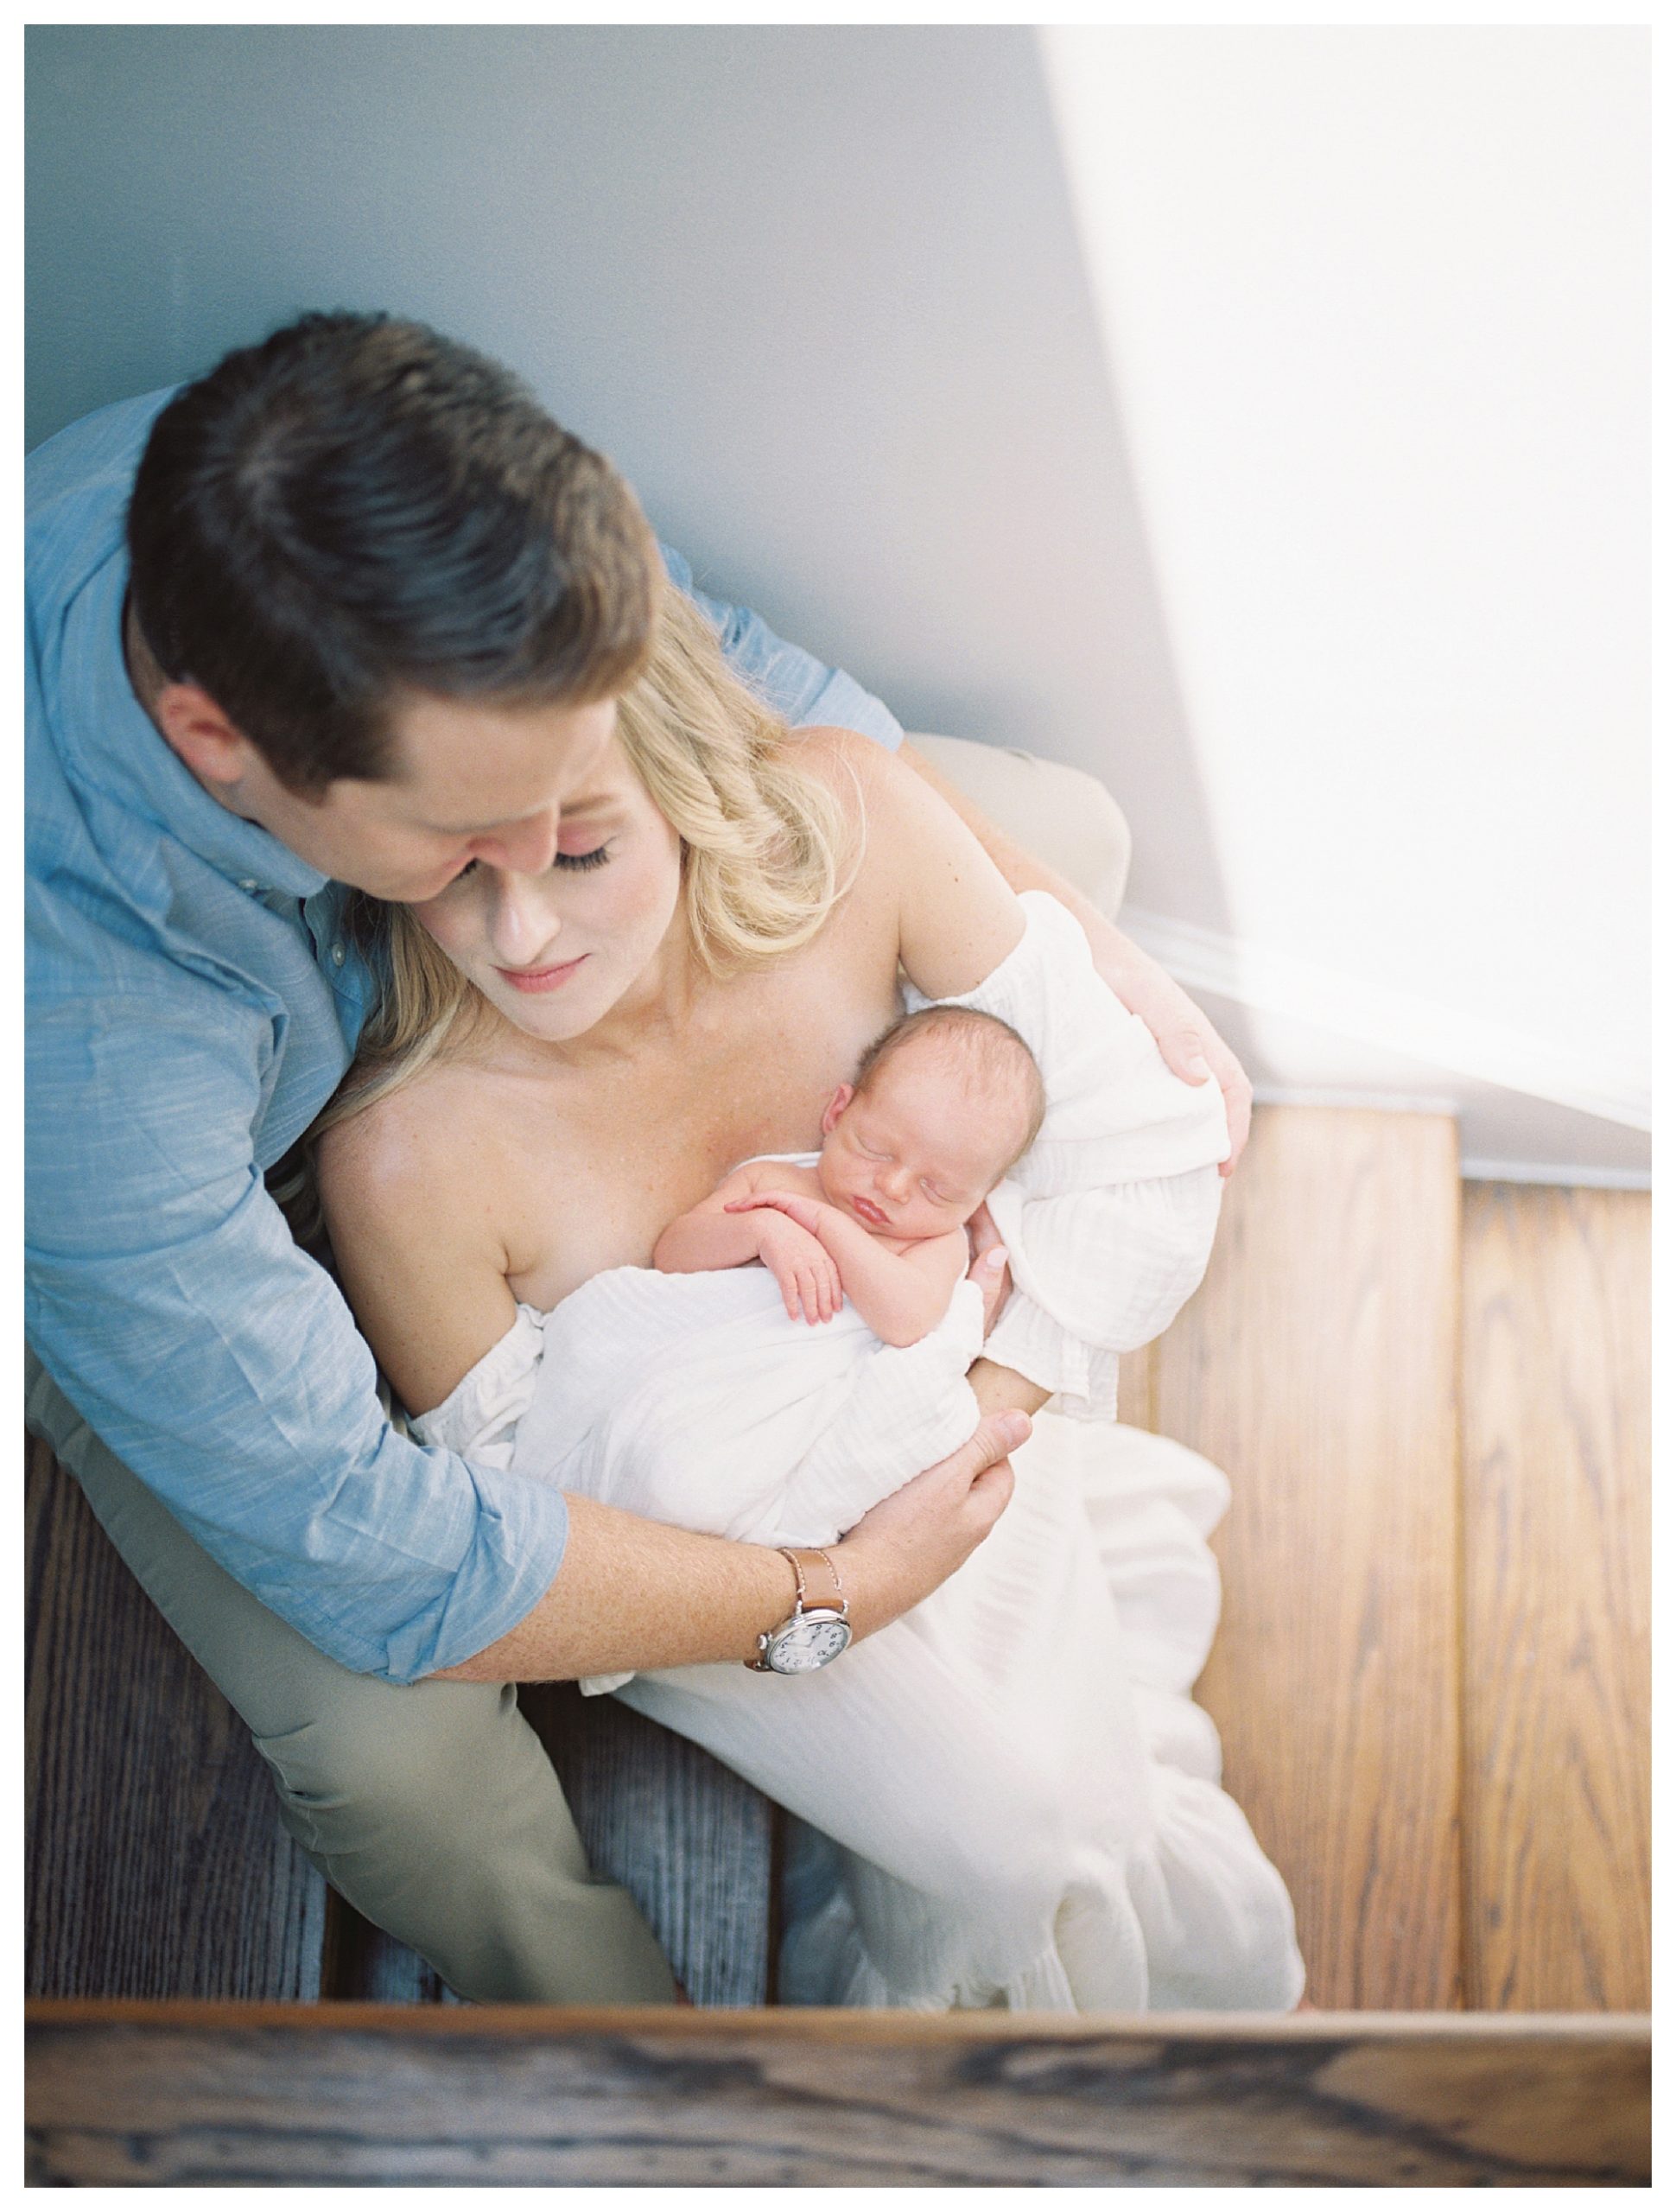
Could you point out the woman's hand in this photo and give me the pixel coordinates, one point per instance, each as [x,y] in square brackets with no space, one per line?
[805,1271]
[989,1270]
[1190,1047]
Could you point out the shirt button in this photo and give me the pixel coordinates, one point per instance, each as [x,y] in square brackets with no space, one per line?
[247,883]
[337,956]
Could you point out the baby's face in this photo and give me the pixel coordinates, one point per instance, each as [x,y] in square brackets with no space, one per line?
[914,1155]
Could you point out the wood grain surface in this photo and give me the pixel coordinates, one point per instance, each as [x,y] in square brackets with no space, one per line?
[1556,1468]
[1317,1364]
[263,2097]
[156,1864]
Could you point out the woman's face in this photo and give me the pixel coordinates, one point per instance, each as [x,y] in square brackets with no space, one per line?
[554,951]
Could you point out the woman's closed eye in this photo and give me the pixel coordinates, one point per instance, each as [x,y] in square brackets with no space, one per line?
[597,858]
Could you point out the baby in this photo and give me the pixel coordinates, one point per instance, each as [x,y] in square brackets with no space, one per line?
[942,1105]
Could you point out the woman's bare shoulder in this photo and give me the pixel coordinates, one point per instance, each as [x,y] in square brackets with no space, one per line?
[415,1232]
[424,1145]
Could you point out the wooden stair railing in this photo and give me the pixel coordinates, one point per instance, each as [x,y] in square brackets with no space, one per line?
[269,2096]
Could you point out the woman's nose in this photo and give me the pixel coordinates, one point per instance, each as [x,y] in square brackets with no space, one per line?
[520,925]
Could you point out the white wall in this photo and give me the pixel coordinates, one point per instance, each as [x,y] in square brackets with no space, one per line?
[1375,305]
[818,290]
[821,292]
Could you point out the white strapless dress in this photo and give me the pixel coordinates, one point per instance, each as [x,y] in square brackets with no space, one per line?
[1016,1802]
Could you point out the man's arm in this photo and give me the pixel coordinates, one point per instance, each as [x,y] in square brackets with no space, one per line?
[634,1594]
[805,690]
[1191,1047]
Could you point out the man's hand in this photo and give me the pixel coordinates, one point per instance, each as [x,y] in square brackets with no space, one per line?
[902,1550]
[1191,1047]
[805,1271]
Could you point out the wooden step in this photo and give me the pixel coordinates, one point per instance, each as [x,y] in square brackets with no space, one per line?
[1556,1525]
[360,2095]
[1317,1364]
[157,1865]
[1432,1672]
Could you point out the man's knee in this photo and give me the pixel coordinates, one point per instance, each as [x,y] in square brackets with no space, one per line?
[378,1758]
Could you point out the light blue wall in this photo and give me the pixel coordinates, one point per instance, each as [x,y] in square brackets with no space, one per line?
[817,291]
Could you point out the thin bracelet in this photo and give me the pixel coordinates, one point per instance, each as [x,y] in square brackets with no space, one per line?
[786,1552]
[837,1579]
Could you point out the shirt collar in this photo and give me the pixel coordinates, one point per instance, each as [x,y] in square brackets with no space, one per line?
[115,746]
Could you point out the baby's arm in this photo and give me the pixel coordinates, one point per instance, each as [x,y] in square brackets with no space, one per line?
[900,1296]
[709,1238]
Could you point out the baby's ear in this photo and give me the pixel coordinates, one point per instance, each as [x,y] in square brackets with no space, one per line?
[835,1105]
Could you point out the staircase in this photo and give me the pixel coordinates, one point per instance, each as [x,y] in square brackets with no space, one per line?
[1432,1683]
[1431,1677]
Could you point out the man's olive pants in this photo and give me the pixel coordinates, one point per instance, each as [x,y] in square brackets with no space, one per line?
[432,1808]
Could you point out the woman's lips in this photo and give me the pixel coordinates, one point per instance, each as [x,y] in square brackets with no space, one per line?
[542,979]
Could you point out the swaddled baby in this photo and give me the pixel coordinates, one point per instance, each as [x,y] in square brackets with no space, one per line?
[942,1106]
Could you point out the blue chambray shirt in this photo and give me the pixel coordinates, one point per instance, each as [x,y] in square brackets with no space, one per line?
[192,1003]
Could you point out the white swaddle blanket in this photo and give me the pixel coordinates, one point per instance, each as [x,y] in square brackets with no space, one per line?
[1021,1799]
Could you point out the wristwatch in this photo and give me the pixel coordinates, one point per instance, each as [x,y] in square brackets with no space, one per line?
[814,1636]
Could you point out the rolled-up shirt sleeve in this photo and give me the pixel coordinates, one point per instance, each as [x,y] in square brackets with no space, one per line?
[166,1298]
[805,690]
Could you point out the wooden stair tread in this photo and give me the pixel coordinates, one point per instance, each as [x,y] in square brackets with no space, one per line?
[157,1865]
[1316,1366]
[1557,1464]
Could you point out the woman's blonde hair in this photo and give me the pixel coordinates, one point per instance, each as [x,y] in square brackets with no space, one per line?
[764,845]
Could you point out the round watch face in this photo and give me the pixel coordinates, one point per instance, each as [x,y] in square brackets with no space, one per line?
[808,1644]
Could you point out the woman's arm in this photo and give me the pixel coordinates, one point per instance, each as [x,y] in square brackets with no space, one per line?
[1191,1047]
[956,919]
[425,1273]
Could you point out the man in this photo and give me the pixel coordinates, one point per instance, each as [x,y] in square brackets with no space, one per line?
[352,612]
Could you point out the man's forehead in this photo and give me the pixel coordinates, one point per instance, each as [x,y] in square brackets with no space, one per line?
[575,810]
[468,767]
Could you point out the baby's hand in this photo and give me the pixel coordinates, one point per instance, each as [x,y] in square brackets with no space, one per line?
[805,1271]
[806,1213]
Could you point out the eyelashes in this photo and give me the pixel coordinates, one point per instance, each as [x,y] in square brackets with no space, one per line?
[577,862]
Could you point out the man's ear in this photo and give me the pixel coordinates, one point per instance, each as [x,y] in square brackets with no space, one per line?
[215,750]
[835,1105]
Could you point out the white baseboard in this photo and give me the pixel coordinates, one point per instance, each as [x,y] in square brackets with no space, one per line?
[1393,1024]
[1537,1170]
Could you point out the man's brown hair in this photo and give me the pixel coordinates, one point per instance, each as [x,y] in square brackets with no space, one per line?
[359,508]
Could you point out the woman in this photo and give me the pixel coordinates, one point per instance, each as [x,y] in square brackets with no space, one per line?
[565,1063]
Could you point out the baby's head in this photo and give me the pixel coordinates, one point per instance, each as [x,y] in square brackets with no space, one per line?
[941,1106]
